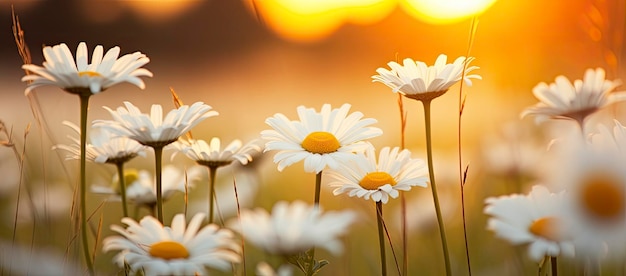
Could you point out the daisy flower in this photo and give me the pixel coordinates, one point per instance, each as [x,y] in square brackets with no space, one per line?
[365,177]
[152,129]
[140,185]
[595,180]
[177,250]
[212,154]
[80,77]
[325,138]
[264,269]
[535,219]
[104,146]
[293,228]
[416,80]
[575,101]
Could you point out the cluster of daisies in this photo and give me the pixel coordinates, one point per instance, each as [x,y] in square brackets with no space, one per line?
[578,207]
[331,142]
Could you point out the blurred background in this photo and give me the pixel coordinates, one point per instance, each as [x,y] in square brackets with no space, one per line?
[251,59]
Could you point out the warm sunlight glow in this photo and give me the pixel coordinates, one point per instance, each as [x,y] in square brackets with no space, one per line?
[160,10]
[445,11]
[306,20]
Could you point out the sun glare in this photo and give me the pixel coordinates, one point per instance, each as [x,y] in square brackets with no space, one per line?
[306,20]
[445,11]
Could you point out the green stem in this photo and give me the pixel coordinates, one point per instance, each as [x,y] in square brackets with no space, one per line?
[381,237]
[212,176]
[554,266]
[120,174]
[158,153]
[431,174]
[84,107]
[318,186]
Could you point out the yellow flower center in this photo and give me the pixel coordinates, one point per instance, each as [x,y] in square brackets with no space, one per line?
[169,250]
[321,142]
[130,176]
[603,197]
[373,180]
[546,227]
[89,74]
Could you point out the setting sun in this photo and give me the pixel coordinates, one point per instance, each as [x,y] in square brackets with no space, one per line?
[445,11]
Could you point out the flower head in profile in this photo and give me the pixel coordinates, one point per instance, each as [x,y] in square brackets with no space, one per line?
[81,77]
[326,138]
[141,187]
[416,80]
[212,154]
[152,129]
[365,177]
[104,146]
[535,219]
[575,101]
[177,250]
[293,228]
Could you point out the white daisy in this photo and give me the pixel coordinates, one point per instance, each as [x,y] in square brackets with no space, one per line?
[81,77]
[365,177]
[596,207]
[141,187]
[416,80]
[322,139]
[576,101]
[211,154]
[293,228]
[104,146]
[535,219]
[264,269]
[152,129]
[177,250]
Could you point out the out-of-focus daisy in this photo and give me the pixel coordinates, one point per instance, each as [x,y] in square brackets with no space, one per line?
[596,207]
[212,155]
[535,219]
[29,260]
[177,250]
[610,140]
[368,178]
[141,189]
[264,269]
[325,138]
[81,77]
[416,80]
[104,146]
[152,129]
[565,100]
[293,228]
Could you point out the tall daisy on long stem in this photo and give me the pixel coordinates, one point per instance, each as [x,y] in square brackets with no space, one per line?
[418,81]
[368,178]
[326,138]
[104,147]
[155,131]
[213,157]
[84,79]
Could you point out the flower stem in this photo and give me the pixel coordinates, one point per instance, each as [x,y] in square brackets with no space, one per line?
[120,174]
[431,174]
[318,186]
[212,176]
[381,237]
[553,266]
[84,107]
[158,153]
